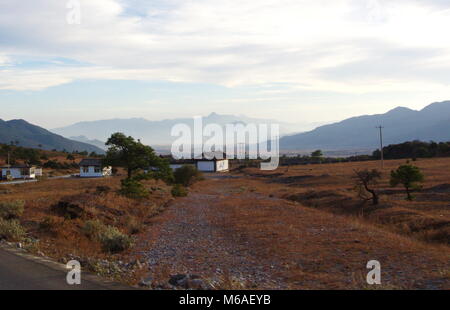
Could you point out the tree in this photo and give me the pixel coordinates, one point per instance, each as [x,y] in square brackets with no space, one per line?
[409,176]
[130,154]
[317,154]
[186,175]
[70,157]
[366,181]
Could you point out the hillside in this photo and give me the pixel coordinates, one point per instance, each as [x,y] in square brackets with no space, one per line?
[158,132]
[29,135]
[84,139]
[400,124]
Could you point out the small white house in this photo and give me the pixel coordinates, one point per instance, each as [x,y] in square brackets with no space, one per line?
[174,164]
[93,168]
[213,162]
[18,172]
[38,171]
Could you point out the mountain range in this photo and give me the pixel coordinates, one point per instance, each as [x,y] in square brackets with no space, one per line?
[399,125]
[157,133]
[29,135]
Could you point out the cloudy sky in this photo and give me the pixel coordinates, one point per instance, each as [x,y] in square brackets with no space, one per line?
[293,60]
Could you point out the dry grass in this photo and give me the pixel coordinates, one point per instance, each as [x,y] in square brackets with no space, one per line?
[318,249]
[60,236]
[330,187]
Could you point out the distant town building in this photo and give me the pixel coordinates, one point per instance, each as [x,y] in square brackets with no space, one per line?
[208,162]
[19,172]
[94,168]
[212,162]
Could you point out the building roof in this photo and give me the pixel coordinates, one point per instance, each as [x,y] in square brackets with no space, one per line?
[91,162]
[16,167]
[213,156]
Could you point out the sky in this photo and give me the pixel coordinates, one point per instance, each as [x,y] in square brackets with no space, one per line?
[293,60]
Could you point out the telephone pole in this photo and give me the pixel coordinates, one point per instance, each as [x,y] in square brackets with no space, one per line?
[381,145]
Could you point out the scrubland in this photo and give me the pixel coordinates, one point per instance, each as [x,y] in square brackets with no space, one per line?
[299,227]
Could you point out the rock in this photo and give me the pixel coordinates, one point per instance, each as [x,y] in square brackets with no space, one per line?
[178,279]
[187,281]
[198,284]
[147,282]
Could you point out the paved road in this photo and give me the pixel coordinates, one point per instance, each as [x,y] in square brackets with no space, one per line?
[35,180]
[22,273]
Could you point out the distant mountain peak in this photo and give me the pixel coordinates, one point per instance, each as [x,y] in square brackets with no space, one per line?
[33,136]
[399,110]
[401,124]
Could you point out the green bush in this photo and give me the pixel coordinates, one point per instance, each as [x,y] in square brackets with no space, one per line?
[110,237]
[93,229]
[186,175]
[113,241]
[11,210]
[179,190]
[11,230]
[133,189]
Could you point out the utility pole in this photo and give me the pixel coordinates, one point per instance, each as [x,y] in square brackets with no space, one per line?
[381,145]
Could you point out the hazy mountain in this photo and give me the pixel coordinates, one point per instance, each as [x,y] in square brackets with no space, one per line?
[400,125]
[29,135]
[158,132]
[97,143]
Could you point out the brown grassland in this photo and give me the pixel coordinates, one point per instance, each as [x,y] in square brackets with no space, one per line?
[301,227]
[62,238]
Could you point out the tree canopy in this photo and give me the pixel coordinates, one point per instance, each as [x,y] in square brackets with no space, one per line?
[130,154]
[409,176]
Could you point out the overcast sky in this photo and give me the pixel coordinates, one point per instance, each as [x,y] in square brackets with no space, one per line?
[293,60]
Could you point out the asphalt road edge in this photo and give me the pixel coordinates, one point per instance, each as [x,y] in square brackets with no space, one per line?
[48,262]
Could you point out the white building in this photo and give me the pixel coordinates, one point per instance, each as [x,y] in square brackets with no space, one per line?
[93,168]
[213,162]
[18,172]
[174,164]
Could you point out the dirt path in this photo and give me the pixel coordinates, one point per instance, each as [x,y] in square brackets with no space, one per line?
[189,242]
[224,231]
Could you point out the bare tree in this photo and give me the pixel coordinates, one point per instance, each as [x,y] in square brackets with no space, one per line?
[366,182]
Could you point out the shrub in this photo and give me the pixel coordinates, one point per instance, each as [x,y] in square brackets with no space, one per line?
[48,224]
[11,210]
[111,239]
[133,189]
[93,229]
[179,190]
[134,226]
[186,175]
[68,210]
[11,230]
[114,241]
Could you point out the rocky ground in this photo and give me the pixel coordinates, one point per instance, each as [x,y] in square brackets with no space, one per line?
[225,235]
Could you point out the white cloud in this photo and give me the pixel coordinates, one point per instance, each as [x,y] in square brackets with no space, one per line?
[229,43]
